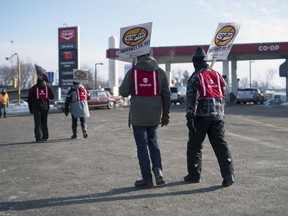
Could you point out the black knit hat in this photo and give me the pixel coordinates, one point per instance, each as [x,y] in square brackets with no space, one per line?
[141,56]
[199,54]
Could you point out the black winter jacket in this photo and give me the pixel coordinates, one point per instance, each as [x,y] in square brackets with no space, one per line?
[36,104]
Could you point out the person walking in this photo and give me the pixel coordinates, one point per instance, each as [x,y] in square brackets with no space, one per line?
[39,97]
[76,102]
[205,115]
[150,102]
[4,102]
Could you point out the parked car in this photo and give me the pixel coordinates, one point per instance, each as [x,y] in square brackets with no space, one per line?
[103,98]
[60,104]
[253,95]
[15,102]
[178,94]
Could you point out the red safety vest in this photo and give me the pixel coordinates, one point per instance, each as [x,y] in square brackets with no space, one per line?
[211,84]
[42,93]
[81,94]
[145,83]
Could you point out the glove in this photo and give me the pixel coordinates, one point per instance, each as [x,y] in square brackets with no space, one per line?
[129,122]
[190,125]
[190,121]
[66,112]
[165,120]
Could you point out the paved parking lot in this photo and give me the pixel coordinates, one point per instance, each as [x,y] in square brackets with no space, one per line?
[95,176]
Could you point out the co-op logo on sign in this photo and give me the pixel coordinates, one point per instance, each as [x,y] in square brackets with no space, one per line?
[225,35]
[80,74]
[135,36]
[268,48]
[67,34]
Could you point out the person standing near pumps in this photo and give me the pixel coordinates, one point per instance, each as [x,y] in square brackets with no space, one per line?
[205,115]
[76,100]
[39,105]
[150,102]
[4,102]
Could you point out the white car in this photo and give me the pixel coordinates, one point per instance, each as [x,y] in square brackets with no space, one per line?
[15,102]
[178,94]
[246,95]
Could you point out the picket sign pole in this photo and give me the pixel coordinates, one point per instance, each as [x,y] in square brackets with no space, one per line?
[133,61]
[213,62]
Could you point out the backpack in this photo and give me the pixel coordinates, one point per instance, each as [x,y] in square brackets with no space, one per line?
[81,94]
[145,83]
[211,84]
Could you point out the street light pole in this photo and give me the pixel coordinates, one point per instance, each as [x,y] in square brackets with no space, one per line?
[96,81]
[19,76]
[250,62]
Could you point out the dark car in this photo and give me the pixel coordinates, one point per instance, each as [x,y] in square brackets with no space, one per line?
[103,98]
[178,94]
[60,104]
[246,95]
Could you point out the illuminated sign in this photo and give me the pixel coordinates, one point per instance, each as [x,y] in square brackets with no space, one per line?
[68,54]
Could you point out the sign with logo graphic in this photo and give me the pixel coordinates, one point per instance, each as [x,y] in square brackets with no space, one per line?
[222,41]
[80,76]
[68,41]
[50,77]
[135,40]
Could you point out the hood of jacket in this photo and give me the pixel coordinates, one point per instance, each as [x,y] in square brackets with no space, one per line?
[78,85]
[40,83]
[147,63]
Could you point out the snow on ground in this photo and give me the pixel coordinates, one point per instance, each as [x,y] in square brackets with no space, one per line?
[16,109]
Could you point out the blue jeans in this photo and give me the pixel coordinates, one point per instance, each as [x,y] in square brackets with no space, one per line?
[146,140]
[3,106]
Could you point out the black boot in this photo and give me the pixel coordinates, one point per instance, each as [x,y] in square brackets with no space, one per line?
[159,177]
[143,183]
[74,136]
[228,180]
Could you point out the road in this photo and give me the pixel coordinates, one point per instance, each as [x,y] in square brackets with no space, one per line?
[95,176]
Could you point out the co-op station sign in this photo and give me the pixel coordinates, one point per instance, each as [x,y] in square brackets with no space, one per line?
[68,43]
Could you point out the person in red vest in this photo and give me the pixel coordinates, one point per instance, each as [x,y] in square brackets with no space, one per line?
[76,102]
[39,104]
[4,102]
[148,87]
[205,115]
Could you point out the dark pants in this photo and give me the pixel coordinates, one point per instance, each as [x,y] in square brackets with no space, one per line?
[216,135]
[83,123]
[3,106]
[41,124]
[146,139]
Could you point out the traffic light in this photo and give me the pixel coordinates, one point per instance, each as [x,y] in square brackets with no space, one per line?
[34,79]
[14,79]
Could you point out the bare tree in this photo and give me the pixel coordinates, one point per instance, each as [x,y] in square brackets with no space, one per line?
[9,72]
[27,72]
[244,83]
[186,76]
[269,76]
[6,76]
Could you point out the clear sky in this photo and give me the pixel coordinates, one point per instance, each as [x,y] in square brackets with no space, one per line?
[33,26]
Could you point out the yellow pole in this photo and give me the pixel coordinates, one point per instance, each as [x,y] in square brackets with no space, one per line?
[19,80]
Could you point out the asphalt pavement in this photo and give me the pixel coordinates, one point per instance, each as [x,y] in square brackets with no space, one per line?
[95,176]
